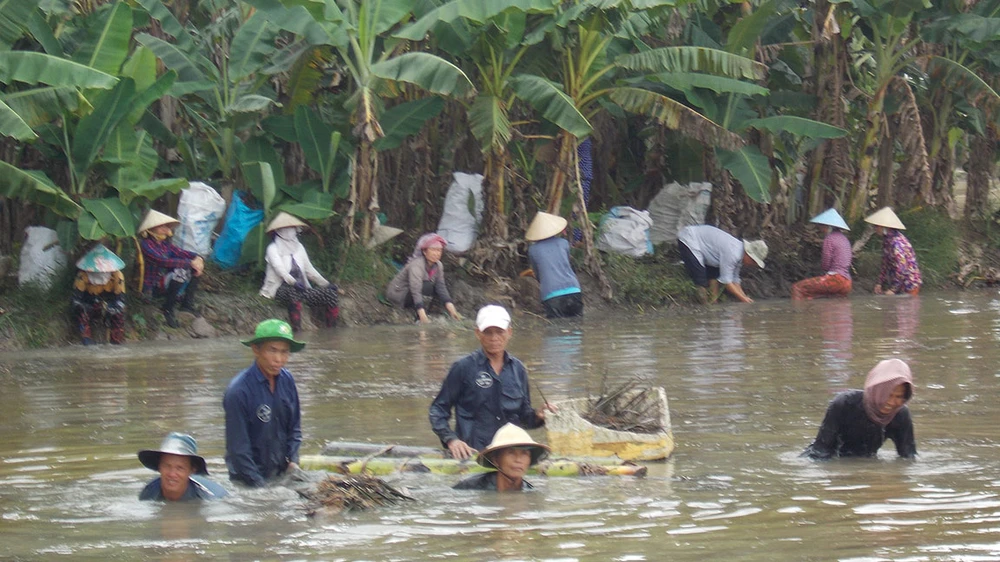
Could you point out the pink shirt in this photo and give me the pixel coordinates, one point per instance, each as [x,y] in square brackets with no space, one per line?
[836,254]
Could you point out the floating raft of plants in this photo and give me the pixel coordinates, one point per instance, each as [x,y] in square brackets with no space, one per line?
[628,422]
[385,465]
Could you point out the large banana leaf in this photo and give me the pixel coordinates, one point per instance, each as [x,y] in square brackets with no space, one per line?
[168,23]
[488,122]
[319,142]
[751,168]
[39,68]
[13,126]
[684,81]
[133,158]
[112,215]
[93,130]
[260,149]
[250,103]
[744,35]
[88,228]
[554,105]
[141,101]
[107,47]
[430,72]
[675,115]
[316,28]
[13,15]
[478,11]
[304,79]
[153,190]
[36,187]
[384,14]
[796,126]
[406,119]
[38,106]
[141,67]
[315,206]
[252,47]
[260,178]
[40,30]
[693,59]
[189,67]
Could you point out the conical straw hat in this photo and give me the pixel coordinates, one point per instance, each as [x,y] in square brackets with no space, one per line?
[100,260]
[282,220]
[512,436]
[831,217]
[885,217]
[154,219]
[544,226]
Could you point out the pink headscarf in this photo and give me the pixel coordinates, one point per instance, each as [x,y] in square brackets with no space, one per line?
[429,240]
[880,383]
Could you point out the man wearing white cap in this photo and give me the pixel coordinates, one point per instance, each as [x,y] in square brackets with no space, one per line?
[712,256]
[487,389]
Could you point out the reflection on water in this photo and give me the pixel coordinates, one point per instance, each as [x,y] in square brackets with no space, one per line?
[748,386]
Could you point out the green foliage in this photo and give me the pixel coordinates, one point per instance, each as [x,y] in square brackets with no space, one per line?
[356,264]
[649,281]
[38,317]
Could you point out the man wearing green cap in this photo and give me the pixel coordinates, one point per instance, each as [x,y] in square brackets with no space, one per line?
[263,430]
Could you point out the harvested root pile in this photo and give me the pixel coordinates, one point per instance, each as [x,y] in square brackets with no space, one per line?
[631,406]
[338,494]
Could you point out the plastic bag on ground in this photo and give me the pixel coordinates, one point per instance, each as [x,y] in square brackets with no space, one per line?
[677,206]
[625,230]
[458,225]
[41,257]
[240,220]
[199,211]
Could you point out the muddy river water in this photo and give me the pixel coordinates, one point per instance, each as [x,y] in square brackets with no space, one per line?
[748,385]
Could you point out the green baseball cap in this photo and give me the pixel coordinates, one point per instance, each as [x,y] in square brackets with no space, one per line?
[274,329]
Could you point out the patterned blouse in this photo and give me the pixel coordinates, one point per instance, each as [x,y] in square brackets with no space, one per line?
[900,272]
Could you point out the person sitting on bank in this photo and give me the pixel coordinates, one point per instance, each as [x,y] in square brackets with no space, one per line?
[422,278]
[487,389]
[900,273]
[835,261]
[548,253]
[511,452]
[168,271]
[289,273]
[181,470]
[99,293]
[263,417]
[857,422]
[712,256]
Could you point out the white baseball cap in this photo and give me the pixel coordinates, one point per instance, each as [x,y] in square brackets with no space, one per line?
[491,316]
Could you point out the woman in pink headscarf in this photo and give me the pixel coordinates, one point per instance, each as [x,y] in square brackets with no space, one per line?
[422,278]
[857,422]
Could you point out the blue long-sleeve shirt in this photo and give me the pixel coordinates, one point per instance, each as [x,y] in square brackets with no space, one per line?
[483,400]
[550,260]
[263,431]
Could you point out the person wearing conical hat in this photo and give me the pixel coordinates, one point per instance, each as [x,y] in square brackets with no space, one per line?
[712,256]
[511,452]
[900,273]
[857,422]
[548,253]
[182,472]
[422,279]
[169,272]
[835,261]
[263,418]
[290,275]
[99,294]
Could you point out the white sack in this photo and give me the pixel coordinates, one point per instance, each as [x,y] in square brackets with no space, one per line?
[625,230]
[458,225]
[41,257]
[200,209]
[677,206]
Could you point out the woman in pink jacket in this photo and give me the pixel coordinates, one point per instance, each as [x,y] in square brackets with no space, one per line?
[836,261]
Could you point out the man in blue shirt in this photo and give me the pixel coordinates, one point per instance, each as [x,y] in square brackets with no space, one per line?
[181,470]
[263,430]
[487,389]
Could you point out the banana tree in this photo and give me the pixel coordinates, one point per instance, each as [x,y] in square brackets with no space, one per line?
[359,32]
[490,35]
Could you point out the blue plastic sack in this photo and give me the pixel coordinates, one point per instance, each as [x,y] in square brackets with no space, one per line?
[240,220]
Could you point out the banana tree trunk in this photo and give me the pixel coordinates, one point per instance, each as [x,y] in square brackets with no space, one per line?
[364,183]
[858,199]
[496,172]
[982,167]
[563,172]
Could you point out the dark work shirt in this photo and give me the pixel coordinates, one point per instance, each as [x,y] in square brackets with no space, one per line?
[847,431]
[263,430]
[198,489]
[483,400]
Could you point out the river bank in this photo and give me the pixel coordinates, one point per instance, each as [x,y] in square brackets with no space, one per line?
[952,257]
